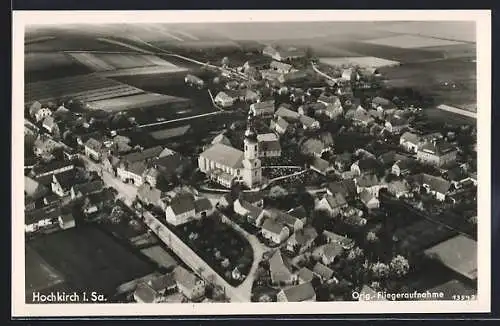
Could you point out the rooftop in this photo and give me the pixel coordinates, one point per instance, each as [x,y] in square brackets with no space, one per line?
[299,293]
[224,155]
[182,203]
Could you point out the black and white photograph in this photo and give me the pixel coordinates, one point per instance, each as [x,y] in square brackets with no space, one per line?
[251,162]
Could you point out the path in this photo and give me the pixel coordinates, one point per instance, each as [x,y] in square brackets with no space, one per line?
[322,73]
[465,113]
[180,119]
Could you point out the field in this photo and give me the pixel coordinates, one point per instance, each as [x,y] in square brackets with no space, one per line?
[411,41]
[86,88]
[43,65]
[134,102]
[118,61]
[370,62]
[40,276]
[437,115]
[90,259]
[450,81]
[64,42]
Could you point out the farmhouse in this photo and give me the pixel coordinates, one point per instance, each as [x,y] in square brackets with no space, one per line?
[410,142]
[280,125]
[225,164]
[184,208]
[369,183]
[369,200]
[280,271]
[287,114]
[261,109]
[275,231]
[85,189]
[189,284]
[437,186]
[301,240]
[94,149]
[224,100]
[333,204]
[292,222]
[299,293]
[269,145]
[343,241]
[62,182]
[133,166]
[437,153]
[252,212]
[367,165]
[38,219]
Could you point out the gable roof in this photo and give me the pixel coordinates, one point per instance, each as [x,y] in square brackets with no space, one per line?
[299,293]
[458,253]
[343,241]
[437,147]
[42,168]
[307,121]
[320,164]
[368,164]
[367,180]
[143,155]
[332,250]
[286,113]
[272,226]
[336,200]
[282,123]
[162,282]
[66,179]
[305,274]
[410,137]
[304,236]
[435,183]
[222,139]
[366,196]
[322,271]
[182,203]
[33,188]
[202,204]
[37,215]
[89,187]
[298,212]
[224,155]
[279,271]
[94,144]
[184,277]
[145,293]
[253,211]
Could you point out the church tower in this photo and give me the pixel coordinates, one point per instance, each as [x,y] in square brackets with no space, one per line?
[252,169]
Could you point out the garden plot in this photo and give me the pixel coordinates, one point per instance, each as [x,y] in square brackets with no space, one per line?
[411,41]
[88,87]
[134,102]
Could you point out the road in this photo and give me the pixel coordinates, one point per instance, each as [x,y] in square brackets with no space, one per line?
[465,113]
[322,73]
[180,119]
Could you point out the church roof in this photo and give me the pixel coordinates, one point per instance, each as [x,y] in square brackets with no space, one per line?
[224,155]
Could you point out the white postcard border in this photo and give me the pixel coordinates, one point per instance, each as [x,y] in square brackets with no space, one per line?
[483,25]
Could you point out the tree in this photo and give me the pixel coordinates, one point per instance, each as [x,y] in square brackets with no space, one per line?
[380,270]
[372,237]
[355,253]
[277,192]
[399,266]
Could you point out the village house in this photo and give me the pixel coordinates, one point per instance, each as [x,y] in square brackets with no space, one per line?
[224,100]
[93,149]
[370,183]
[286,114]
[324,273]
[410,142]
[398,188]
[301,240]
[255,198]
[132,166]
[365,166]
[184,208]
[110,164]
[343,241]
[85,189]
[262,109]
[44,146]
[315,109]
[252,212]
[189,284]
[403,167]
[436,186]
[34,189]
[269,145]
[292,222]
[333,204]
[66,221]
[293,76]
[299,212]
[39,219]
[362,118]
[437,153]
[389,158]
[369,200]
[94,203]
[305,275]
[350,74]
[396,124]
[299,293]
[274,231]
[50,125]
[309,123]
[164,284]
[168,164]
[62,182]
[457,176]
[321,166]
[280,271]
[280,125]
[281,67]
[328,253]
[314,147]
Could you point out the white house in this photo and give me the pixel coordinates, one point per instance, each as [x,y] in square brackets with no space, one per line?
[274,231]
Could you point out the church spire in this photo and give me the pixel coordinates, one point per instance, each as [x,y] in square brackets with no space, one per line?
[250,133]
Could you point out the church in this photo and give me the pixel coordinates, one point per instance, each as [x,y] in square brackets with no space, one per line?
[226,165]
